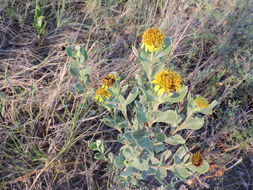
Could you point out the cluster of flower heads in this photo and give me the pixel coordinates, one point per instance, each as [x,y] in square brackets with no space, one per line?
[102,92]
[152,39]
[167,81]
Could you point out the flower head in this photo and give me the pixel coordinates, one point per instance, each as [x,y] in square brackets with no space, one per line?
[201,102]
[168,81]
[197,159]
[101,93]
[152,39]
[108,80]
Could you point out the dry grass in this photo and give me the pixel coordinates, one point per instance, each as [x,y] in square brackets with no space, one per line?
[44,125]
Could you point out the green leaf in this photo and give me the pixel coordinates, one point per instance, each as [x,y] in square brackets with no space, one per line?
[128,171]
[119,162]
[99,156]
[100,145]
[175,140]
[167,41]
[140,164]
[146,144]
[192,123]
[109,122]
[147,95]
[122,100]
[92,145]
[141,117]
[161,173]
[180,154]
[154,160]
[159,147]
[84,55]
[168,116]
[74,72]
[127,151]
[177,96]
[128,136]
[123,124]
[160,137]
[132,95]
[201,169]
[165,155]
[181,171]
[190,104]
[139,134]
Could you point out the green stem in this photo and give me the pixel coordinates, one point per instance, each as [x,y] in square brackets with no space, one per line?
[151,67]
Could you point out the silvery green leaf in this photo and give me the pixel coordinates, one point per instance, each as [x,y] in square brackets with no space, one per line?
[161,173]
[128,136]
[124,89]
[160,137]
[175,140]
[111,157]
[181,152]
[148,97]
[123,124]
[69,51]
[109,122]
[165,155]
[122,100]
[192,123]
[141,117]
[146,144]
[190,104]
[201,169]
[119,162]
[159,147]
[132,95]
[74,72]
[177,96]
[128,171]
[180,171]
[140,164]
[154,160]
[139,134]
[99,156]
[112,105]
[92,145]
[168,116]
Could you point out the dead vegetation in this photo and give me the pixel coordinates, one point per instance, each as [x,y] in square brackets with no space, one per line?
[44,126]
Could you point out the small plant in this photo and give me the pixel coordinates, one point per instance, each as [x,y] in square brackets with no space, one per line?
[149,118]
[39,20]
[78,66]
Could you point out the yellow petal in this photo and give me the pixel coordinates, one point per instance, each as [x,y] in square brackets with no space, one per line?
[154,82]
[157,87]
[161,91]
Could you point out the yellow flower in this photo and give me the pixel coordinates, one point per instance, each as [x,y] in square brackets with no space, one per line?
[108,80]
[201,102]
[152,39]
[167,81]
[100,93]
[197,159]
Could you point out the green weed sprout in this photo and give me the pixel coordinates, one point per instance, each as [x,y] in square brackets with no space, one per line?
[148,120]
[78,66]
[39,20]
